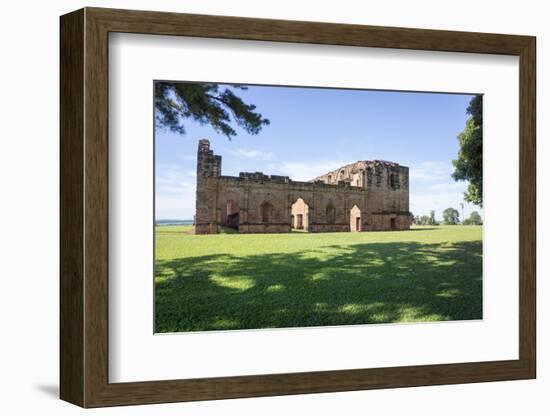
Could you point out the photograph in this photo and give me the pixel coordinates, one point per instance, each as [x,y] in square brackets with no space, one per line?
[252,204]
[291,206]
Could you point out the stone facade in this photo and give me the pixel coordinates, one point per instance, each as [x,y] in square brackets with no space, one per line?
[362,196]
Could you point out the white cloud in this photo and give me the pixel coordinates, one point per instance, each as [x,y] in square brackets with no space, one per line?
[421,203]
[251,154]
[305,171]
[430,171]
[432,188]
[174,193]
[448,186]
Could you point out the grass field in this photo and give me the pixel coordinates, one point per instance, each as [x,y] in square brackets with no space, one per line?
[235,281]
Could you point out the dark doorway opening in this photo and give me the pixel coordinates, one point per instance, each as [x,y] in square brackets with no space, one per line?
[232,214]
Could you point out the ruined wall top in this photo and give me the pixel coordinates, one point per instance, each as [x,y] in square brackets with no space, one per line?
[357,167]
[362,174]
[263,181]
[366,173]
[260,176]
[277,179]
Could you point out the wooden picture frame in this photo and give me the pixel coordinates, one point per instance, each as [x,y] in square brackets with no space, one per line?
[84,207]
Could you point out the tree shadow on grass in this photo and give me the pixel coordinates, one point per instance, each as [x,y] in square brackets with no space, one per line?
[334,285]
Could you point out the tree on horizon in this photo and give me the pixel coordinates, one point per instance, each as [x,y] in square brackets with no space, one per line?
[432,220]
[473,219]
[451,216]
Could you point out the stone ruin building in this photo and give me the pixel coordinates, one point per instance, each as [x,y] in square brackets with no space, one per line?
[362,196]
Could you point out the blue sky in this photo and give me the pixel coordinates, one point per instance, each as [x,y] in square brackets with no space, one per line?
[315,130]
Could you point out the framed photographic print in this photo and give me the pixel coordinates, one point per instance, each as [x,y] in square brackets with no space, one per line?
[255,207]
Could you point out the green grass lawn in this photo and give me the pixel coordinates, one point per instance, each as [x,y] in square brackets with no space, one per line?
[243,281]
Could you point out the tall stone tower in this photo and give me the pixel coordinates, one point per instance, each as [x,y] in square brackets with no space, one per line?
[388,184]
[209,165]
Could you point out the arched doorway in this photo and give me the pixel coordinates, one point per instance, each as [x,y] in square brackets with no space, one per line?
[355,219]
[232,214]
[299,215]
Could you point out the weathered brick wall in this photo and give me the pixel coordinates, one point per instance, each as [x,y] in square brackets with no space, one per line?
[389,187]
[266,205]
[383,222]
[373,194]
[387,182]
[208,167]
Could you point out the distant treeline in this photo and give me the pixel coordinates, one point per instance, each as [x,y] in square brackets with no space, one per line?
[450,217]
[174,222]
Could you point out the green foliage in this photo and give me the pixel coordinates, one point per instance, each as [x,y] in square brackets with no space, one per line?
[245,281]
[450,216]
[469,164]
[426,220]
[205,104]
[473,219]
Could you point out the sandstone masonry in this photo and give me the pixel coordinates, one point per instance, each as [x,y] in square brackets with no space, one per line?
[362,196]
